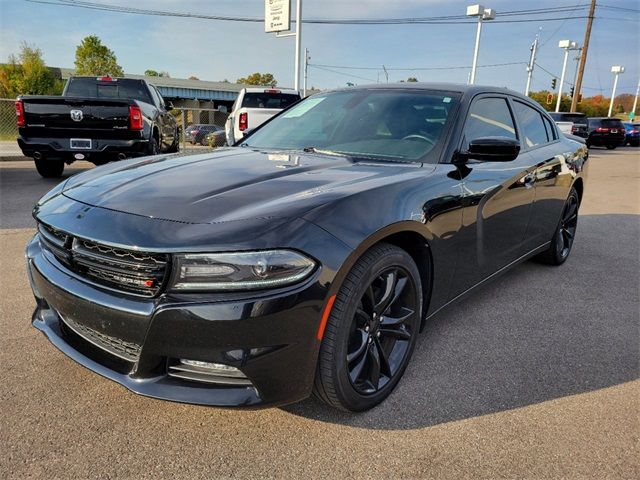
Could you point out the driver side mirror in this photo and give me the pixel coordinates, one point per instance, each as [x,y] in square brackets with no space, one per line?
[168,106]
[492,149]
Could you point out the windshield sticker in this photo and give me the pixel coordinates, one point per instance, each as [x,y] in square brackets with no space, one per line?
[446,100]
[303,108]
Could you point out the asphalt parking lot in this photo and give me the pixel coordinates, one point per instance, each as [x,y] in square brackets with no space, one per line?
[534,376]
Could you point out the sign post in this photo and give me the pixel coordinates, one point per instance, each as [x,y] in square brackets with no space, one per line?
[277,18]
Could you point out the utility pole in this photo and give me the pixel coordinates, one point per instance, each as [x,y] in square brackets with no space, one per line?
[617,70]
[532,62]
[306,68]
[583,57]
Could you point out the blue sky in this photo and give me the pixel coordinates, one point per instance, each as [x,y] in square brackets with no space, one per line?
[217,50]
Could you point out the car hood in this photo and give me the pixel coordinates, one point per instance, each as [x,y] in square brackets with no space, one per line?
[227,185]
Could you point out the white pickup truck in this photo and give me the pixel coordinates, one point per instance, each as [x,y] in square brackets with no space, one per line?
[253,107]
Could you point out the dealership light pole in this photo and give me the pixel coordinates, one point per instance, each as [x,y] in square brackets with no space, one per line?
[482,14]
[566,45]
[617,70]
[635,101]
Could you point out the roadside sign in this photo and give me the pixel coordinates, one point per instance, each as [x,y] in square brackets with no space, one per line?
[632,115]
[277,15]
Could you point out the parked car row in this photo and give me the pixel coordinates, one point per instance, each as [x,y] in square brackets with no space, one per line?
[598,131]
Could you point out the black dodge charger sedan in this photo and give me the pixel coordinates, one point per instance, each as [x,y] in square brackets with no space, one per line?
[308,258]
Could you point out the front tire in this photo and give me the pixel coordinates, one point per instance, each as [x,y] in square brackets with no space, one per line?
[562,241]
[611,147]
[49,168]
[371,331]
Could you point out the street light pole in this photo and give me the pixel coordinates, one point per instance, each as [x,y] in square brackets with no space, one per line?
[482,14]
[635,100]
[306,68]
[617,69]
[566,45]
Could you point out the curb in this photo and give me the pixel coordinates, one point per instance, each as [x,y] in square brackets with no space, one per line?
[16,158]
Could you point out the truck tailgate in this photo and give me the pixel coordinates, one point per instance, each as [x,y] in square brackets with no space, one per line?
[61,115]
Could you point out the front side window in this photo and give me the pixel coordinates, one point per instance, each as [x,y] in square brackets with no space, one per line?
[389,124]
[489,117]
[530,120]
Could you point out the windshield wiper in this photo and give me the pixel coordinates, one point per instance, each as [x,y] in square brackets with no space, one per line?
[323,152]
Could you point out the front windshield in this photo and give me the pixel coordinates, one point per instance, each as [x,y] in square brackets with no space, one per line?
[397,125]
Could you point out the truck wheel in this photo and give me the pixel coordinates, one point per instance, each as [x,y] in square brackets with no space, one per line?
[49,168]
[153,148]
[174,146]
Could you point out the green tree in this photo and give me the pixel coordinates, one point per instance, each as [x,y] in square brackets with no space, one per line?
[94,58]
[412,79]
[264,79]
[28,75]
[155,73]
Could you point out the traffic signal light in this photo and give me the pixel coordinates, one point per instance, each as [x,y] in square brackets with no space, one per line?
[571,94]
[549,98]
[579,97]
[553,84]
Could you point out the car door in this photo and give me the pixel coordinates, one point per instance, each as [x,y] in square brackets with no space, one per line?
[498,196]
[553,177]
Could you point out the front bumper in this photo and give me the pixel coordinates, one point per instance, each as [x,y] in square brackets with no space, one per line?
[270,338]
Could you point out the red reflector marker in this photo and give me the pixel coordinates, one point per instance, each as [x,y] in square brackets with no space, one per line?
[271,90]
[136,121]
[148,283]
[325,317]
[20,113]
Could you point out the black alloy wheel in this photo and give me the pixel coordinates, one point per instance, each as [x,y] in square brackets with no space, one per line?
[562,241]
[371,331]
[49,168]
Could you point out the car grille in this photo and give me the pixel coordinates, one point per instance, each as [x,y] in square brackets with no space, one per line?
[129,271]
[125,350]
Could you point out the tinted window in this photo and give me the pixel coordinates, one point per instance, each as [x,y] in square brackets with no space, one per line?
[551,131]
[531,123]
[575,118]
[116,88]
[489,117]
[377,123]
[611,123]
[268,100]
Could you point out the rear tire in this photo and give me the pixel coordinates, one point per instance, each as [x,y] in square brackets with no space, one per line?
[611,147]
[371,331]
[562,241]
[153,148]
[49,168]
[174,146]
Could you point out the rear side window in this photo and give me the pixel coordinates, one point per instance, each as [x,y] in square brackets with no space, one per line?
[268,100]
[489,117]
[530,121]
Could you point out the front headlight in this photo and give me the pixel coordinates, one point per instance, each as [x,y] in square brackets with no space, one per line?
[240,270]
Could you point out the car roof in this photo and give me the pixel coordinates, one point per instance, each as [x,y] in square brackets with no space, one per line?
[462,88]
[262,89]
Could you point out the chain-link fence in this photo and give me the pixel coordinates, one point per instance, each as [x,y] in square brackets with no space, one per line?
[8,129]
[201,129]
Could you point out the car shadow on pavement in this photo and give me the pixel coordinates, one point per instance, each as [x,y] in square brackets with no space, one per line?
[535,334]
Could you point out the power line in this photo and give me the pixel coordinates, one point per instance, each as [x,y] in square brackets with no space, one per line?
[444,20]
[412,69]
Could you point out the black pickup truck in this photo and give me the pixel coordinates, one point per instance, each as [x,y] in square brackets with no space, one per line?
[96,119]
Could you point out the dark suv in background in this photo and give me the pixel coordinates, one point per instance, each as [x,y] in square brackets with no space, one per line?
[606,132]
[578,119]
